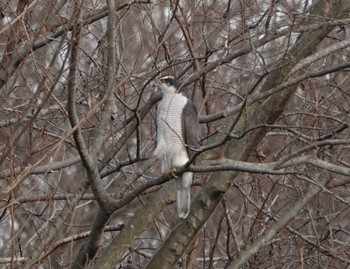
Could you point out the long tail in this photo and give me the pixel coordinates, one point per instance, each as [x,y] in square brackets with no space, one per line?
[184,194]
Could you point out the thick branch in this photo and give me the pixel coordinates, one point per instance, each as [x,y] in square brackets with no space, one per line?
[89,162]
[261,112]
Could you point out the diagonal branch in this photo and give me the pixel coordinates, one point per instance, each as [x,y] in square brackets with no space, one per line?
[266,112]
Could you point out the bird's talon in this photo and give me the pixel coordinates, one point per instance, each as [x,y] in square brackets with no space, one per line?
[173,173]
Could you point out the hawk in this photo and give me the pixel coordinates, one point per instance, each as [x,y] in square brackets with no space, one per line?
[177,137]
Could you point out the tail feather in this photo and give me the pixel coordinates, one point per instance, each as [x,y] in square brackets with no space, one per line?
[184,194]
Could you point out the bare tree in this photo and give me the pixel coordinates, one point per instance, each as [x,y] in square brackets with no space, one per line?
[80,187]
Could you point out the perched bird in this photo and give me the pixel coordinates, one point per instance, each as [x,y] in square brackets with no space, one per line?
[177,137]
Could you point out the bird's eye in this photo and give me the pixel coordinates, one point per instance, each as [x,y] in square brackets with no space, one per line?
[164,80]
[167,80]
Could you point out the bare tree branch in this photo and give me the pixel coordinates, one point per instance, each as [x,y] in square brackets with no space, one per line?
[266,112]
[272,79]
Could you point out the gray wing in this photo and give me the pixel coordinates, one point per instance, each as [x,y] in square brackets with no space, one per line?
[190,127]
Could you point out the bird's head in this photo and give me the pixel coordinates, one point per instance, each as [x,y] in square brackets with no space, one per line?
[167,84]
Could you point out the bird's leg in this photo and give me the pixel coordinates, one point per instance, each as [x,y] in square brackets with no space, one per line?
[173,172]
